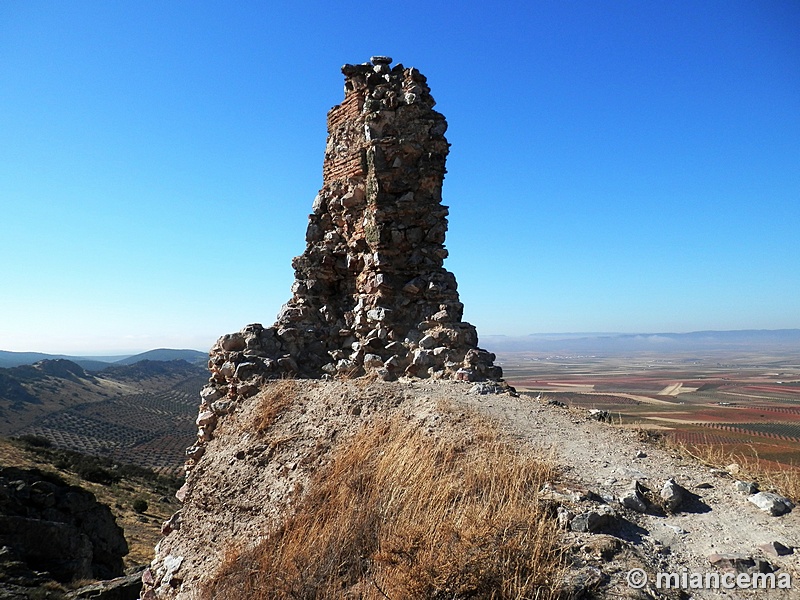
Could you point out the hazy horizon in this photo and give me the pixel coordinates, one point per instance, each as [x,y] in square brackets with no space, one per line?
[618,167]
[497,338]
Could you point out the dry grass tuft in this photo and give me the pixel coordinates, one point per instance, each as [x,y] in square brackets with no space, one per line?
[401,514]
[279,396]
[784,479]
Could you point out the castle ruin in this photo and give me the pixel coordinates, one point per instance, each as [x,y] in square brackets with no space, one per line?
[371,293]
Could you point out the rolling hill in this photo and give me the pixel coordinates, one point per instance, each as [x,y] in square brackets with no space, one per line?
[167,354]
[98,363]
[140,413]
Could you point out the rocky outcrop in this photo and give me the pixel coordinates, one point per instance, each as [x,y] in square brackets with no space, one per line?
[58,528]
[371,293]
[120,588]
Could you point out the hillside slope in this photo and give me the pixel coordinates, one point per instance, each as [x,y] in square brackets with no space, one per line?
[30,392]
[264,474]
[141,414]
[141,529]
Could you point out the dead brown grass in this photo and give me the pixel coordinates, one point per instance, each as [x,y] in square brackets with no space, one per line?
[782,478]
[399,513]
[279,396]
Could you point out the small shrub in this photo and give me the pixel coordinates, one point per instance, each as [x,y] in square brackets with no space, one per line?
[139,505]
[274,402]
[94,473]
[35,441]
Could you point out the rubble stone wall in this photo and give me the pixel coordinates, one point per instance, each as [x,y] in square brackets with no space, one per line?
[370,292]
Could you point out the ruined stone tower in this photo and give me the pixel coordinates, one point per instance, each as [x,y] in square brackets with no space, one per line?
[371,296]
[370,290]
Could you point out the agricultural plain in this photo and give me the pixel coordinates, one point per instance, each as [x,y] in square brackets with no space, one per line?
[741,402]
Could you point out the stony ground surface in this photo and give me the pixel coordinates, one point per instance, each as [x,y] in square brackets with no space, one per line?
[604,459]
[262,455]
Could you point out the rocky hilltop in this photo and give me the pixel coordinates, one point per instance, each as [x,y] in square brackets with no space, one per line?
[371,295]
[365,447]
[282,504]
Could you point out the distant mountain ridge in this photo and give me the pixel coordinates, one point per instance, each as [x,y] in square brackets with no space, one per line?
[710,340]
[41,382]
[152,369]
[167,354]
[614,343]
[98,363]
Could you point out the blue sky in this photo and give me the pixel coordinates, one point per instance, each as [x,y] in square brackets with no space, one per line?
[617,166]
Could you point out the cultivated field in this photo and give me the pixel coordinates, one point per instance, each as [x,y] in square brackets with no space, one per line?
[151,429]
[745,403]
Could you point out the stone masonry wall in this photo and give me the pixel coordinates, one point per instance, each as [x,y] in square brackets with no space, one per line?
[370,291]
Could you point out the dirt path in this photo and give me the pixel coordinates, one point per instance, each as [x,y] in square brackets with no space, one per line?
[603,459]
[671,390]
